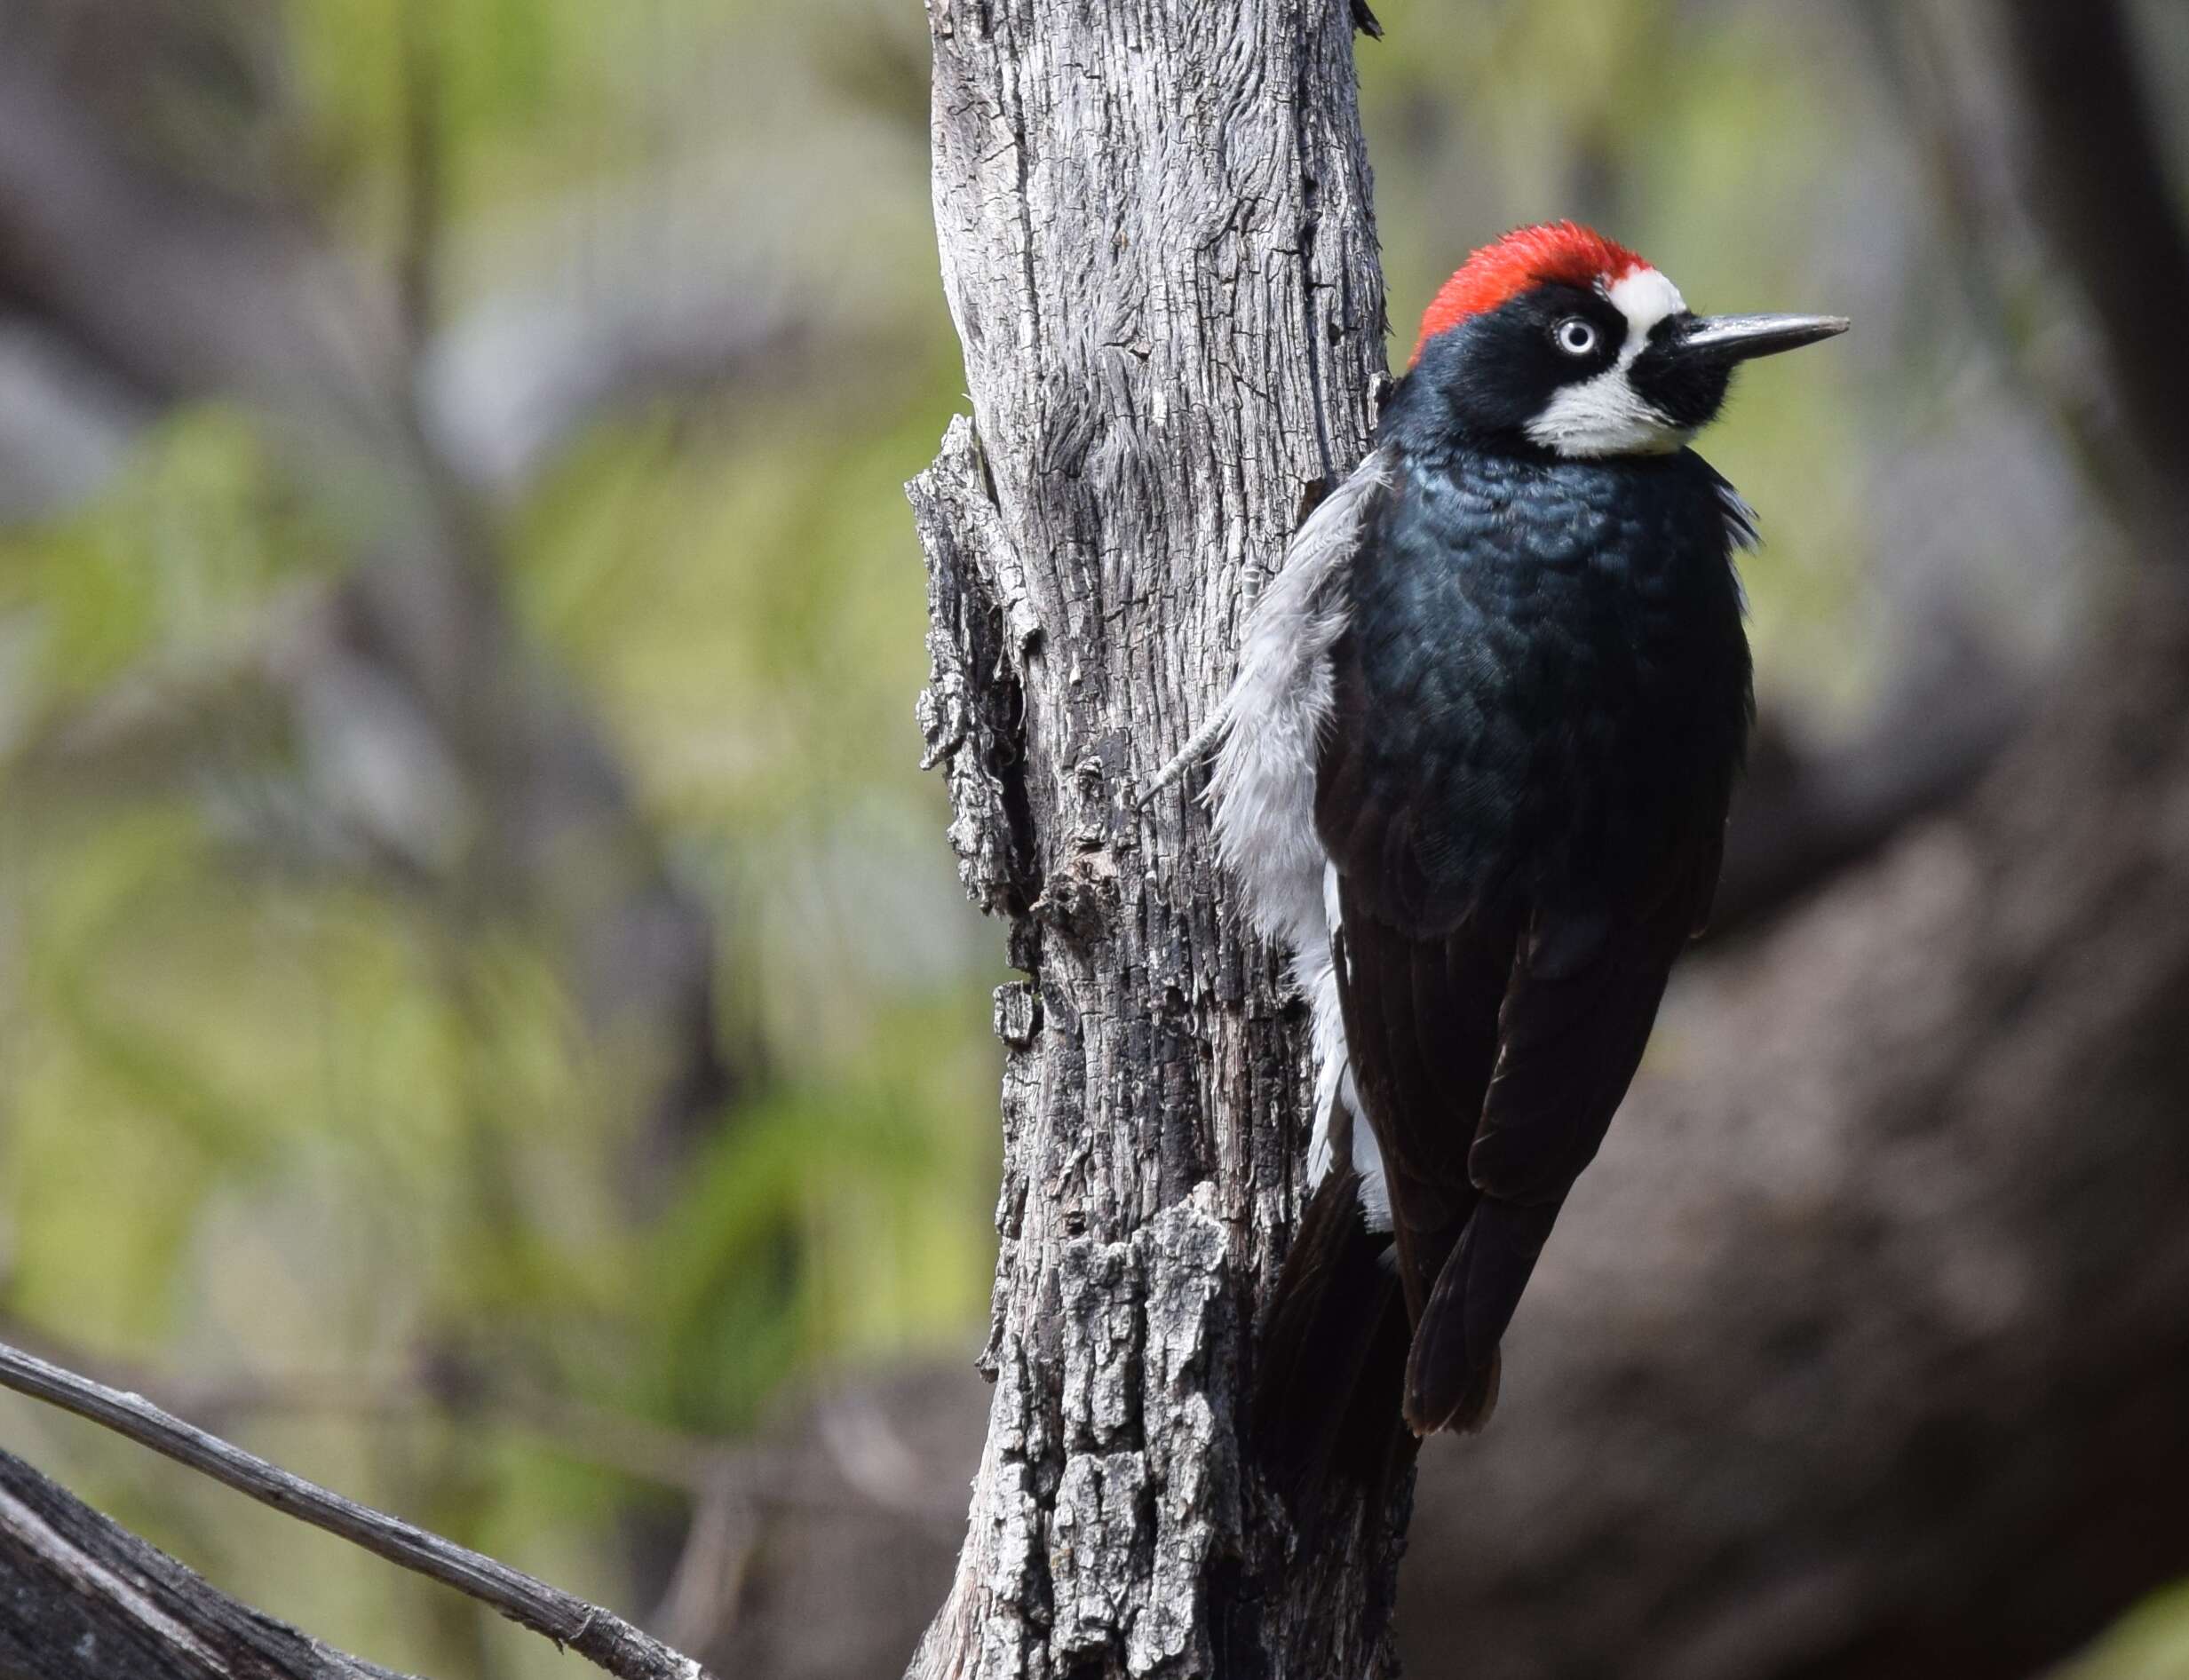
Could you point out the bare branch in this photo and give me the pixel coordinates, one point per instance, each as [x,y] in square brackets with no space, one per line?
[88,1600]
[2045,150]
[2098,187]
[601,1637]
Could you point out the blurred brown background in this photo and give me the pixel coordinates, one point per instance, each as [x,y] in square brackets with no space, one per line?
[486,1014]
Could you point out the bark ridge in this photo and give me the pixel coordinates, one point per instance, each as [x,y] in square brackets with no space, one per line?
[1157,247]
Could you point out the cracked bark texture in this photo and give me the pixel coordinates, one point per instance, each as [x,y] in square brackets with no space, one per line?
[82,1598]
[1863,1351]
[1158,250]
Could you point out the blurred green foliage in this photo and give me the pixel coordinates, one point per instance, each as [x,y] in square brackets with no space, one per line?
[273,1113]
[276,1109]
[2152,1643]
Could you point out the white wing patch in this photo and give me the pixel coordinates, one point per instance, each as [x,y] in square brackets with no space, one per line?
[1272,725]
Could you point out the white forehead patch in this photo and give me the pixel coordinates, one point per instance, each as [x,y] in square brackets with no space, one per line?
[1607,416]
[1645,298]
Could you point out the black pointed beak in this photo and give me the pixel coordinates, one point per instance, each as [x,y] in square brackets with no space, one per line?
[1730,339]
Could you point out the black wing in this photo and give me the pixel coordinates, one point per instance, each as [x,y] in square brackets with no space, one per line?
[1577,1014]
[1490,1061]
[1491,1044]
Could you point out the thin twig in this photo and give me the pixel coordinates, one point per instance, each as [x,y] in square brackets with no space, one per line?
[605,1640]
[694,1464]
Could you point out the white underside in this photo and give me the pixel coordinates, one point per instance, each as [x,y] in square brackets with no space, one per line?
[1264,794]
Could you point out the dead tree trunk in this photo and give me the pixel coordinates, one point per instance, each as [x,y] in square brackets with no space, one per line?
[1158,248]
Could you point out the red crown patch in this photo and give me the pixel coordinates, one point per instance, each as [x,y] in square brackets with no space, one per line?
[1565,252]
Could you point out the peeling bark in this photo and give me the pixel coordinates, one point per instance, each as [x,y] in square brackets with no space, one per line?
[1158,249]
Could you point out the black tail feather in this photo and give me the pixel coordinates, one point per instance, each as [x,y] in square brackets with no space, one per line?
[1452,1376]
[1329,1395]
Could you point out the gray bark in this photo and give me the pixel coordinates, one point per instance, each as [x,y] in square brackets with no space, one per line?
[83,1599]
[598,1635]
[1158,248]
[1861,1349]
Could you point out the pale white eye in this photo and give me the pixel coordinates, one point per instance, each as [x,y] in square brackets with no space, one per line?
[1576,336]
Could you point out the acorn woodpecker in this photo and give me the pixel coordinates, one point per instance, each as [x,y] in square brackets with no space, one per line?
[1473,773]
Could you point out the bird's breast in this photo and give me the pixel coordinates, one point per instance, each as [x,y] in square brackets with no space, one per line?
[1544,676]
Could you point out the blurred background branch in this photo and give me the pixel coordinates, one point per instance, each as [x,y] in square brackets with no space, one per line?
[437,742]
[485,1006]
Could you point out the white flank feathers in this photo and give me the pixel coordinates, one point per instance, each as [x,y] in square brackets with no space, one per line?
[1264,790]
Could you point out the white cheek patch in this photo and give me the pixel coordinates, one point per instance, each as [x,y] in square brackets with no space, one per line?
[1605,414]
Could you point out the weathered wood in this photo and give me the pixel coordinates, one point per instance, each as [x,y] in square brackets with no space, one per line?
[1158,248]
[605,1640]
[84,1599]
[1863,1349]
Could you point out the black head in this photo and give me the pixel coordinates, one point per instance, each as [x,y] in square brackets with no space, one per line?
[1557,339]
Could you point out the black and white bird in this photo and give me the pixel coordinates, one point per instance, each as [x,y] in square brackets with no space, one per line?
[1473,773]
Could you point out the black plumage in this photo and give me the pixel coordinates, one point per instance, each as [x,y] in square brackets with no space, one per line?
[1542,697]
[1537,709]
